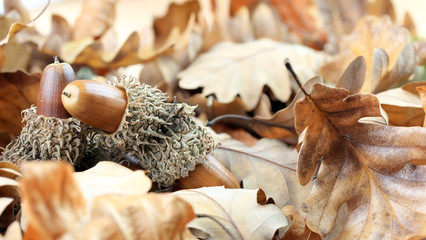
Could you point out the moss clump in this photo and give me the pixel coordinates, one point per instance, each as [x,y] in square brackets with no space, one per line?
[44,138]
[163,137]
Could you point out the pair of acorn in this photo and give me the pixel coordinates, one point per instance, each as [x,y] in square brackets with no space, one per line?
[87,120]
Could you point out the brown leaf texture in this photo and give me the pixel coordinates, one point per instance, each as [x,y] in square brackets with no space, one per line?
[230,208]
[18,91]
[298,228]
[366,166]
[371,33]
[231,69]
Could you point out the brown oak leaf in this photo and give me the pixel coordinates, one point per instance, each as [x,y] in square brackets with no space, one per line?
[371,167]
[17,92]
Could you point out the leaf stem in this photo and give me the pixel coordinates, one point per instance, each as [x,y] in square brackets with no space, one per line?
[294,76]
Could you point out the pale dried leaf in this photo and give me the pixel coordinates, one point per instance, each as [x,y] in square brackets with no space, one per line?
[402,107]
[112,178]
[230,208]
[147,216]
[244,69]
[13,232]
[13,55]
[264,23]
[240,26]
[420,52]
[353,77]
[380,65]
[370,33]
[268,161]
[381,8]
[96,17]
[400,72]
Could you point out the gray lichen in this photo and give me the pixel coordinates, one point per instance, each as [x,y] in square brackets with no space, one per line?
[45,138]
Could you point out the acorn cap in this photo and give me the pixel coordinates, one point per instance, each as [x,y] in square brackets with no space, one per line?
[45,138]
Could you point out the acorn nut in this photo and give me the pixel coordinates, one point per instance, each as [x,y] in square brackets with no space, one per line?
[97,104]
[49,132]
[53,80]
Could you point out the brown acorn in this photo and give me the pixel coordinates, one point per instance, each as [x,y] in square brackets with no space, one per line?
[209,173]
[97,104]
[49,131]
[53,80]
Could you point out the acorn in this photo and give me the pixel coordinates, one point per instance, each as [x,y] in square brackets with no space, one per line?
[209,173]
[49,131]
[106,108]
[164,137]
[54,78]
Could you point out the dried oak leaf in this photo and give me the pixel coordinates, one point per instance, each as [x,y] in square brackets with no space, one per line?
[244,69]
[302,18]
[56,207]
[250,21]
[18,91]
[368,166]
[95,18]
[422,93]
[402,106]
[229,207]
[112,178]
[268,161]
[13,54]
[9,194]
[372,33]
[298,228]
[51,199]
[147,216]
[139,47]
